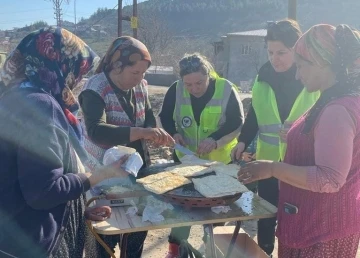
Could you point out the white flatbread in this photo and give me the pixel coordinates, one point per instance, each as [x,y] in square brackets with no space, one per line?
[193,160]
[230,170]
[189,170]
[153,178]
[167,184]
[218,186]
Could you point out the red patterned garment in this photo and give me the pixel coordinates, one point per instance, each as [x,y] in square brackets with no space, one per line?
[339,248]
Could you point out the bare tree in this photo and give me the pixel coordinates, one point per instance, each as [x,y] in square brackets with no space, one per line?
[165,47]
[154,32]
[57,9]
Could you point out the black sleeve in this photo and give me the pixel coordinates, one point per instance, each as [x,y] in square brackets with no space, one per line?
[167,110]
[150,120]
[234,117]
[93,109]
[250,128]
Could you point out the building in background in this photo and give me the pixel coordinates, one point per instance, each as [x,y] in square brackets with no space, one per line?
[239,56]
[160,75]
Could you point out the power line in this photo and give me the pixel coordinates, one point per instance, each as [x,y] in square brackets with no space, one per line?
[26,11]
[103,17]
[16,21]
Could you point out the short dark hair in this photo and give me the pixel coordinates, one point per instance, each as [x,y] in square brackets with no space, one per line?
[286,31]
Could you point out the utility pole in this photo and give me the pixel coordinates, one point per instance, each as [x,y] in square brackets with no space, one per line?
[75,16]
[57,7]
[120,18]
[134,19]
[292,5]
[57,10]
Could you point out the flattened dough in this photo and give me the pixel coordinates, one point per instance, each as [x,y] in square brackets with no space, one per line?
[230,170]
[189,170]
[167,184]
[153,178]
[193,160]
[218,186]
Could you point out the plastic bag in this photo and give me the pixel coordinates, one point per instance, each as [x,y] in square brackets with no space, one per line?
[153,210]
[132,165]
[132,211]
[220,209]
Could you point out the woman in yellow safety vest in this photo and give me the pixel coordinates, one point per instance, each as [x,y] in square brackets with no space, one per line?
[204,113]
[278,99]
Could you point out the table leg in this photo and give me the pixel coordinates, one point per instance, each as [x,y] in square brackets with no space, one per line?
[233,239]
[212,241]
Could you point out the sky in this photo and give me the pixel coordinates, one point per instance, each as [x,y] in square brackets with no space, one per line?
[18,13]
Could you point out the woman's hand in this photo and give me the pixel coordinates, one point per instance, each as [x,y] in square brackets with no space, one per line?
[98,213]
[255,171]
[179,139]
[111,171]
[236,153]
[206,146]
[158,136]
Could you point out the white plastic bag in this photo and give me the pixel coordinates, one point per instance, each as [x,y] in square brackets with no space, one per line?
[153,210]
[132,211]
[115,153]
[132,165]
[220,209]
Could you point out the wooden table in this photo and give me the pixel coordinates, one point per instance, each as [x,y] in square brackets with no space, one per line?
[248,207]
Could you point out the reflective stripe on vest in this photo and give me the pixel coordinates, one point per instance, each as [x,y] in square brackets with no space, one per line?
[272,140]
[270,146]
[211,119]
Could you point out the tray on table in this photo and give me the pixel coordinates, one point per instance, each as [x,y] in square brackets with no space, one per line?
[187,196]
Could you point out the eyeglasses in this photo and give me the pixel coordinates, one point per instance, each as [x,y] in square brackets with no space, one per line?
[190,64]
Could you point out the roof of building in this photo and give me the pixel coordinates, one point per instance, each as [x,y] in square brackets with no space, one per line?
[160,70]
[256,33]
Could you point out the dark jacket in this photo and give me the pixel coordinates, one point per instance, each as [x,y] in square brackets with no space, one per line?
[38,174]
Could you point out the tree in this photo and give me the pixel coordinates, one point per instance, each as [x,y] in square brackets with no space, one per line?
[154,32]
[34,26]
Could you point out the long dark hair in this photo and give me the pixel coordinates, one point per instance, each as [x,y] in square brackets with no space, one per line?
[347,43]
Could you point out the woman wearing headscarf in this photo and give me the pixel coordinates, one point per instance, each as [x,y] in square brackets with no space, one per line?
[42,180]
[117,111]
[319,206]
[278,99]
[115,103]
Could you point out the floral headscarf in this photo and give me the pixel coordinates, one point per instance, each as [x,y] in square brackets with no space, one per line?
[122,52]
[54,60]
[339,47]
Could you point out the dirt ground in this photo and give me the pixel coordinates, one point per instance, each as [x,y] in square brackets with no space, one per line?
[156,244]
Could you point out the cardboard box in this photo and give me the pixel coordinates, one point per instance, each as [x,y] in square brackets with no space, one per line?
[244,247]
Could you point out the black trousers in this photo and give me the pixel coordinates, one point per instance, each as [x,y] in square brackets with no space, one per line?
[269,190]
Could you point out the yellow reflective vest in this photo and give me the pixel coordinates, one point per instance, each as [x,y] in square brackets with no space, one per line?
[211,119]
[269,145]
